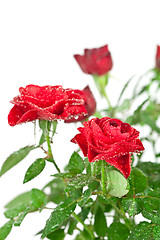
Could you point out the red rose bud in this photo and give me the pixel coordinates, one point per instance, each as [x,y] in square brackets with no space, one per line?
[95,61]
[51,103]
[158,58]
[110,140]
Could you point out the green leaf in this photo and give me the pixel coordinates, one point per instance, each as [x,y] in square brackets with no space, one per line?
[58,216]
[15,158]
[143,230]
[152,206]
[64,175]
[5,230]
[117,185]
[84,236]
[123,90]
[54,125]
[34,170]
[100,224]
[29,201]
[76,164]
[138,181]
[56,187]
[152,170]
[42,139]
[85,197]
[23,198]
[38,198]
[156,232]
[72,226]
[78,182]
[15,211]
[132,205]
[58,234]
[117,231]
[21,216]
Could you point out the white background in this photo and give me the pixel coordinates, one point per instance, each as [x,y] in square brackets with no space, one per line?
[37,42]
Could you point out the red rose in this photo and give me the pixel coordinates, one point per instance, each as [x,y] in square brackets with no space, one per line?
[51,103]
[158,58]
[95,61]
[110,140]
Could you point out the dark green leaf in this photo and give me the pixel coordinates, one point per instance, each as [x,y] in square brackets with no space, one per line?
[152,170]
[5,230]
[15,158]
[95,185]
[34,170]
[156,232]
[58,216]
[58,234]
[76,164]
[143,230]
[78,182]
[72,226]
[100,224]
[138,181]
[152,206]
[132,205]
[117,185]
[117,231]
[86,195]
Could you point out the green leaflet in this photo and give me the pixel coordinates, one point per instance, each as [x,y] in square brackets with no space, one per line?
[15,158]
[35,169]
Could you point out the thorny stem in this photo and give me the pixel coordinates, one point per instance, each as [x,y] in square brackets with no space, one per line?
[84,225]
[50,155]
[103,180]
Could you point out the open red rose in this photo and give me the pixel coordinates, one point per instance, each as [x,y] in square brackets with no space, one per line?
[158,58]
[95,61]
[110,140]
[51,103]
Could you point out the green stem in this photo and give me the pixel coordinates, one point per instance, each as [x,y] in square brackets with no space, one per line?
[103,177]
[84,225]
[101,82]
[50,155]
[93,168]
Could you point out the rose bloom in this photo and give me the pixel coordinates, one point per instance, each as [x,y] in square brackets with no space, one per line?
[95,61]
[158,58]
[110,140]
[51,103]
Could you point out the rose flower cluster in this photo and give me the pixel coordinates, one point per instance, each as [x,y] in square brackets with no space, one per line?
[105,139]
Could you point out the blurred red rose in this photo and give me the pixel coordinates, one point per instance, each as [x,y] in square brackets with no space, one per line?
[158,58]
[110,140]
[51,103]
[95,61]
